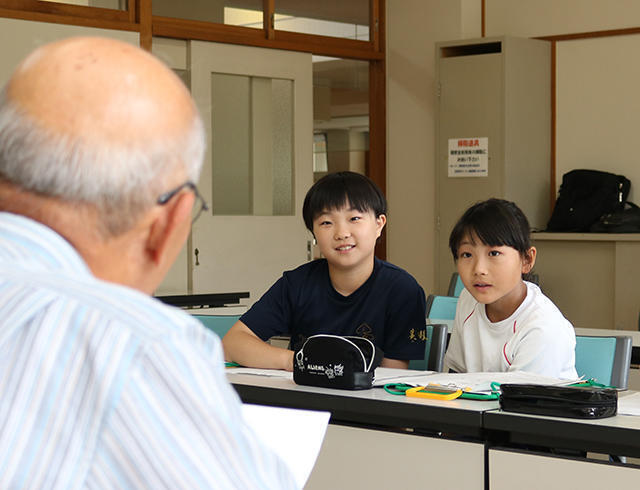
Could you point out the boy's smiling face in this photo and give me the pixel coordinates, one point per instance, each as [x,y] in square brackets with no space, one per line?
[347,237]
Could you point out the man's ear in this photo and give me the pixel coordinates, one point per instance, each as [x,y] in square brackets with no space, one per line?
[169,229]
[529,260]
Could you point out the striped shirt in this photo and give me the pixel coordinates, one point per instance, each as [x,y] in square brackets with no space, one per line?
[102,386]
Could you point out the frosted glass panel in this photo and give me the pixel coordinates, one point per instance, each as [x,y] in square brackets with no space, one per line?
[282,147]
[231,148]
[251,120]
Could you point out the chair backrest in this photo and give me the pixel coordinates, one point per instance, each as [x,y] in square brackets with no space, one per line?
[218,324]
[605,359]
[441,307]
[455,285]
[434,350]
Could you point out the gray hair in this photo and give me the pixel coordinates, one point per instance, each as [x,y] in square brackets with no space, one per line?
[119,180]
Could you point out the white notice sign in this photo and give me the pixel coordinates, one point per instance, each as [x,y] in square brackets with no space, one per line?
[468,157]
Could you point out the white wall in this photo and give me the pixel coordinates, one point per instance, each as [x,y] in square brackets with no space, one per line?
[413,28]
[598,108]
[533,18]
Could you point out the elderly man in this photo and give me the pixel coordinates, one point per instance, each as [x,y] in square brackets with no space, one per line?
[101,385]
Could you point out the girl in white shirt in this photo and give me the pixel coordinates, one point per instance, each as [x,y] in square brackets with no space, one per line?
[504,323]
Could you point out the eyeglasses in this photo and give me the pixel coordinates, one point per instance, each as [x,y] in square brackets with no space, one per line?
[197,209]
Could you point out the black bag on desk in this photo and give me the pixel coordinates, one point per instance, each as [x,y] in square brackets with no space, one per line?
[626,220]
[586,195]
[333,361]
[559,401]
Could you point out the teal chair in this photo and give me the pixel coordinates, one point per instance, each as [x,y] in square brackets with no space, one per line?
[605,359]
[455,285]
[218,324]
[438,308]
[441,307]
[434,350]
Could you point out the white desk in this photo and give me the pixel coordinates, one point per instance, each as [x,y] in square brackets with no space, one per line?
[377,440]
[459,444]
[359,458]
[634,334]
[370,408]
[511,468]
[614,435]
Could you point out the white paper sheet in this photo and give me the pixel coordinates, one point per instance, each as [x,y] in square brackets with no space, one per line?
[294,435]
[629,403]
[475,382]
[392,375]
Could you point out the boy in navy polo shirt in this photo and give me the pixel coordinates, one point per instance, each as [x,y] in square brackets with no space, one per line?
[348,292]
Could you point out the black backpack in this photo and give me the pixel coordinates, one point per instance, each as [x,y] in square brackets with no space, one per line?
[585,196]
[626,220]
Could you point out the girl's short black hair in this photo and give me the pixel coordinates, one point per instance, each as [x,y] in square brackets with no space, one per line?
[495,222]
[335,190]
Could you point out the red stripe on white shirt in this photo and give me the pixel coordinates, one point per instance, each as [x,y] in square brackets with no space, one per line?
[504,351]
[465,320]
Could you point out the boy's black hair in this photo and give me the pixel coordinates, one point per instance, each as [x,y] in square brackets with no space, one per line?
[335,190]
[495,222]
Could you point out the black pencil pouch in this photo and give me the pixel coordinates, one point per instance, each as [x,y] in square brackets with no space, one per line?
[333,361]
[559,401]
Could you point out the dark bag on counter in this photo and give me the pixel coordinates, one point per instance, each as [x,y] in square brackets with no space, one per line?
[626,220]
[334,361]
[585,196]
[559,401]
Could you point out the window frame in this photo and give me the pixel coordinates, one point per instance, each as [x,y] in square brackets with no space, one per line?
[138,17]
